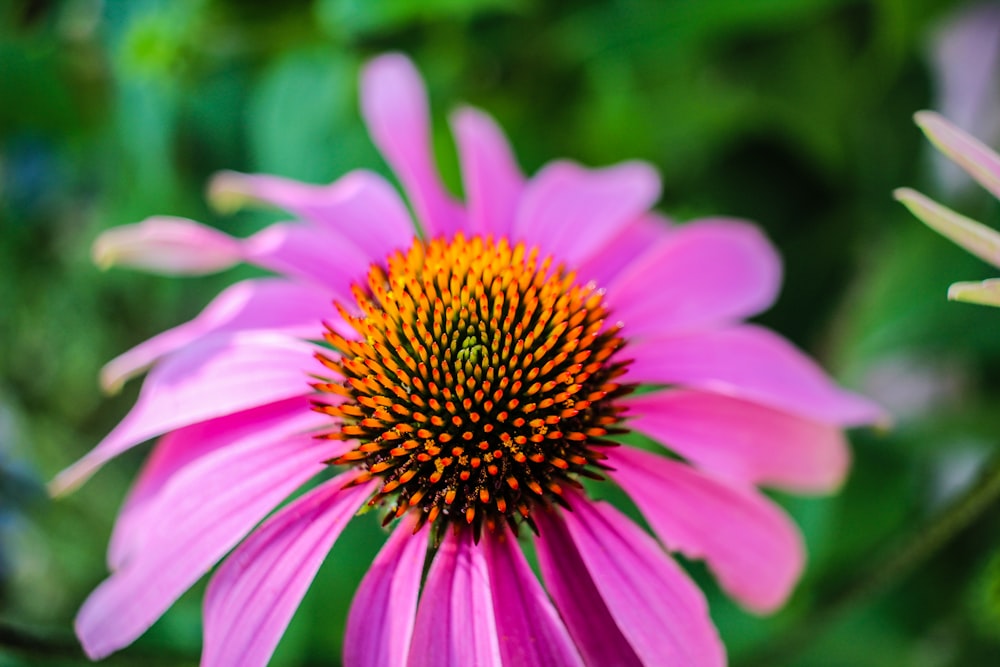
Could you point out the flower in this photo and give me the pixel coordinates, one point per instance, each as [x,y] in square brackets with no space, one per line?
[983,165]
[964,55]
[463,381]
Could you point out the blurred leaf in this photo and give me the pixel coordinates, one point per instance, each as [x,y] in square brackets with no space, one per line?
[302,118]
[984,598]
[355,17]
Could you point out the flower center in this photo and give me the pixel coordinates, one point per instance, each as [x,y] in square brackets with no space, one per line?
[481,385]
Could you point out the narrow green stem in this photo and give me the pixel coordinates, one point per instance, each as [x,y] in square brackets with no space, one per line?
[895,566]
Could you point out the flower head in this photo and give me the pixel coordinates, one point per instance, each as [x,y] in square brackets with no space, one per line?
[463,380]
[983,165]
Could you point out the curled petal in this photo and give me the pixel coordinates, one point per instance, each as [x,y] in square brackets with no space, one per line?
[167,245]
[254,594]
[394,106]
[749,543]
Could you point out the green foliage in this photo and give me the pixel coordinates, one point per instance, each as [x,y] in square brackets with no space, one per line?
[792,113]
[356,18]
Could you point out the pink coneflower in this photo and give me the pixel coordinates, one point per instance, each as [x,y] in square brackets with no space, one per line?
[982,164]
[463,381]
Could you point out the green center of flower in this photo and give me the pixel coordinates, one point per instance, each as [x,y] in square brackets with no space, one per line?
[481,384]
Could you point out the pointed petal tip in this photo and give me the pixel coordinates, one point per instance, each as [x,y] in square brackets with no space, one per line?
[101,254]
[973,236]
[392,63]
[228,192]
[90,645]
[935,127]
[111,384]
[107,249]
[69,480]
[984,293]
[974,156]
[925,118]
[389,75]
[468,115]
[920,205]
[870,414]
[167,245]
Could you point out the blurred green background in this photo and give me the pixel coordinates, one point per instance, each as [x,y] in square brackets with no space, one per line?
[792,113]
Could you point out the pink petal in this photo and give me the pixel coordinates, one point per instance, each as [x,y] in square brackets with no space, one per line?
[749,543]
[985,293]
[639,238]
[972,155]
[175,245]
[977,238]
[253,596]
[167,245]
[655,605]
[754,364]
[703,274]
[493,181]
[394,106]
[309,253]
[360,207]
[204,510]
[581,605]
[966,49]
[455,623]
[573,212]
[530,630]
[744,441]
[272,304]
[216,376]
[381,620]
[179,449]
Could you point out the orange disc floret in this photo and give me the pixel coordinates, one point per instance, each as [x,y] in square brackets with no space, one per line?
[481,384]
